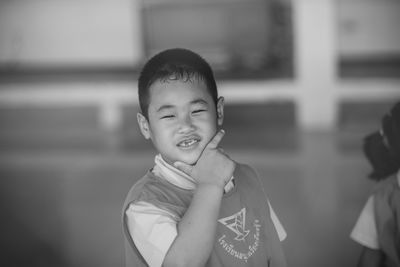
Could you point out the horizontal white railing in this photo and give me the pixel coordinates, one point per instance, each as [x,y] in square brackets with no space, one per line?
[110,98]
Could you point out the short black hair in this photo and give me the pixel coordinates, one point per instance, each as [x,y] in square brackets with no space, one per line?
[174,64]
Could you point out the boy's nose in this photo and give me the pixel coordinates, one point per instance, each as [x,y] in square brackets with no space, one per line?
[185,124]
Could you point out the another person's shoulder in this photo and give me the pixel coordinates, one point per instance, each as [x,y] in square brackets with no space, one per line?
[387,185]
[387,193]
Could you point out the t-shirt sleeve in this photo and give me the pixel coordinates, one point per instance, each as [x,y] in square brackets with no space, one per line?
[152,230]
[364,231]
[278,226]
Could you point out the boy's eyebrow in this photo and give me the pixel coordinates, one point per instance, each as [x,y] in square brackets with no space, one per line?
[199,101]
[196,101]
[163,107]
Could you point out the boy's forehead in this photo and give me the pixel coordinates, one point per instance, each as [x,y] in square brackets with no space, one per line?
[177,90]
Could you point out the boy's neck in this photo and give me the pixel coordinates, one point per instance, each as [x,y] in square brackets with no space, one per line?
[178,178]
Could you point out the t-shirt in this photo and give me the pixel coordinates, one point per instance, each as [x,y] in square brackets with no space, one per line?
[365,231]
[146,222]
[154,229]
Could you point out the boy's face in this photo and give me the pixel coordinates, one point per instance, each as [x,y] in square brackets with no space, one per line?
[182,119]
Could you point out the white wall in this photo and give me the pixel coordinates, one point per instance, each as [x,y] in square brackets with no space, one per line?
[368,28]
[89,32]
[69,33]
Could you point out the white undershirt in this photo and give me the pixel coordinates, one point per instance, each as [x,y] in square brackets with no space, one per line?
[364,231]
[153,229]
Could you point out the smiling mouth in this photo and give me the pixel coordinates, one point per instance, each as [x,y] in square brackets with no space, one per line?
[188,142]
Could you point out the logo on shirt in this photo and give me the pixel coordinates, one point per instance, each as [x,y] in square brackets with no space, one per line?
[245,241]
[237,224]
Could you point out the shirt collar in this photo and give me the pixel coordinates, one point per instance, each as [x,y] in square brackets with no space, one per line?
[172,174]
[177,177]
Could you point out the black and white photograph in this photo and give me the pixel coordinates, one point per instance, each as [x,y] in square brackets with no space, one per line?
[185,133]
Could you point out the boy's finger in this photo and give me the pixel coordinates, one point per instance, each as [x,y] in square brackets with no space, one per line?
[186,168]
[216,139]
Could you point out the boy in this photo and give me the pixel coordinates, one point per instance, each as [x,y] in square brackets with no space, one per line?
[378,226]
[196,207]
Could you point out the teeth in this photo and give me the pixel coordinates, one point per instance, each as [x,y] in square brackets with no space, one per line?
[187,143]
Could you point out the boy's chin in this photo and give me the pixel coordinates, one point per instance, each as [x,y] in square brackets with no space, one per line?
[189,160]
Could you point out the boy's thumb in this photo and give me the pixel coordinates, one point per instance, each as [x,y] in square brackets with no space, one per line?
[186,168]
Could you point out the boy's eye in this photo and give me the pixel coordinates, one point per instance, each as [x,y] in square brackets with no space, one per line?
[167,116]
[198,111]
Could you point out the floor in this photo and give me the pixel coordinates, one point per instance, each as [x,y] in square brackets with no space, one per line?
[62,207]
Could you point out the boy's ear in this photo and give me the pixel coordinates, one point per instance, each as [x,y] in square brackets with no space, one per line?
[220,111]
[143,125]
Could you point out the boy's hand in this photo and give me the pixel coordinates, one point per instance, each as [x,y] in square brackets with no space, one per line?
[213,166]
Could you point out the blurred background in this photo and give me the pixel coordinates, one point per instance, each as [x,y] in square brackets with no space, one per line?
[303,80]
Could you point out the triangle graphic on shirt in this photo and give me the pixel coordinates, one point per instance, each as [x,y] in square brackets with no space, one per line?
[237,224]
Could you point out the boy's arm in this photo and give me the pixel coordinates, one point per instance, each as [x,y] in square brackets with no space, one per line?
[197,228]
